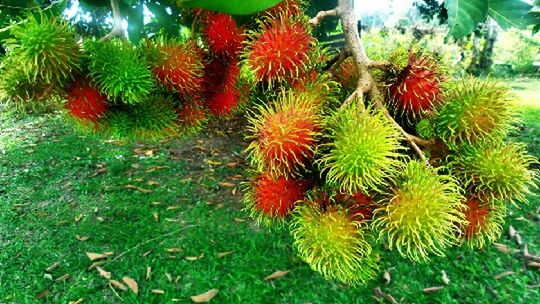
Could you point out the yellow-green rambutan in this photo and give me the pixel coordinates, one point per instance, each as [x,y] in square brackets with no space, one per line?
[284,134]
[363,151]
[46,48]
[474,111]
[154,119]
[119,71]
[484,222]
[499,171]
[333,244]
[423,213]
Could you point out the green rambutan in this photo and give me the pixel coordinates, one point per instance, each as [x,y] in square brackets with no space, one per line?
[484,222]
[270,200]
[423,214]
[178,66]
[333,244]
[153,119]
[46,48]
[474,111]
[416,91]
[499,171]
[284,134]
[119,71]
[425,129]
[280,50]
[363,150]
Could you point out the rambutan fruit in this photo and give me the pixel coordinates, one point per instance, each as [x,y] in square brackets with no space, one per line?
[498,171]
[423,214]
[416,90]
[286,8]
[191,117]
[119,71]
[223,103]
[220,76]
[359,205]
[223,36]
[346,74]
[484,222]
[284,134]
[363,150]
[270,200]
[153,119]
[333,244]
[85,102]
[280,50]
[475,111]
[179,66]
[46,48]
[321,88]
[425,128]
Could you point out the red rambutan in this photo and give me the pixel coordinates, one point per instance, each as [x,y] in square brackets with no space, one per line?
[86,102]
[347,74]
[286,7]
[280,51]
[416,90]
[180,67]
[219,76]
[276,197]
[484,221]
[360,206]
[223,36]
[191,116]
[224,102]
[476,215]
[285,134]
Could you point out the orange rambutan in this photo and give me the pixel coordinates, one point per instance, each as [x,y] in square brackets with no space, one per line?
[285,134]
[273,198]
[416,90]
[179,67]
[191,116]
[85,102]
[223,36]
[483,222]
[346,74]
[286,7]
[280,50]
[359,205]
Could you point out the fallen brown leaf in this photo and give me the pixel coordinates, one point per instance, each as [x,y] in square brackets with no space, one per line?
[503,274]
[148,273]
[132,284]
[62,278]
[222,254]
[517,237]
[445,278]
[147,253]
[99,171]
[156,217]
[82,238]
[205,297]
[276,275]
[158,291]
[386,277]
[227,185]
[534,264]
[118,285]
[96,256]
[103,273]
[511,231]
[239,220]
[42,295]
[79,301]
[432,289]
[52,267]
[502,248]
[173,250]
[96,264]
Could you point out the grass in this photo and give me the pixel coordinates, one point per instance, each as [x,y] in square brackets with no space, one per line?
[165,206]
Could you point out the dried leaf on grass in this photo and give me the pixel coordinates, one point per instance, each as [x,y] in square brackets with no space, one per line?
[433,289]
[104,273]
[96,256]
[503,274]
[205,297]
[52,267]
[118,285]
[132,284]
[276,275]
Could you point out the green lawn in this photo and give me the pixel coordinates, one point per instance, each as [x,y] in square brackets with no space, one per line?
[171,206]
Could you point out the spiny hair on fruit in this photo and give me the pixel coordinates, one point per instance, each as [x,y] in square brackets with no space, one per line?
[119,71]
[85,102]
[333,244]
[422,214]
[363,150]
[284,134]
[484,222]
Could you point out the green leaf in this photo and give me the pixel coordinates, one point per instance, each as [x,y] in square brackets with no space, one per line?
[464,16]
[510,13]
[233,7]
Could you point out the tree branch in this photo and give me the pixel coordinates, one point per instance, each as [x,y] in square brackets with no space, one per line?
[117,30]
[366,84]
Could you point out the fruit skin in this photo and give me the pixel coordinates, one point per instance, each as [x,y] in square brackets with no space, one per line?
[46,48]
[177,66]
[286,8]
[484,222]
[496,172]
[154,119]
[221,82]
[475,111]
[284,134]
[333,244]
[363,150]
[416,90]
[347,74]
[223,36]
[269,200]
[85,102]
[191,117]
[422,215]
[119,71]
[425,129]
[280,50]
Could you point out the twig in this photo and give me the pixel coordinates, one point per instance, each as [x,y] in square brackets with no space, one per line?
[321,15]
[117,30]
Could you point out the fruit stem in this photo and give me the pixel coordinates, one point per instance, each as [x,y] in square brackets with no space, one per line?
[117,30]
[366,84]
